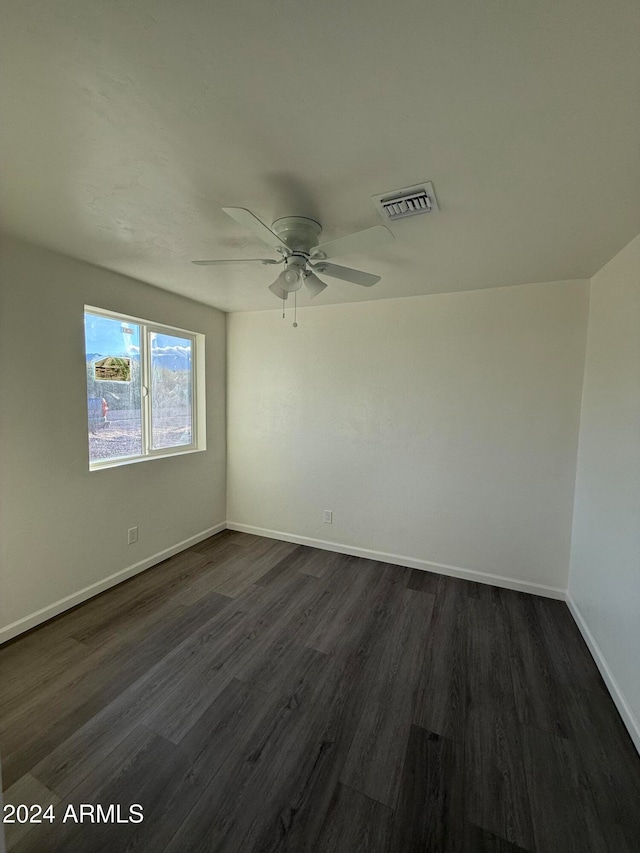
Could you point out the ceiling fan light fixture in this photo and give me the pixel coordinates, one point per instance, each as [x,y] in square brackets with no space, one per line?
[277,289]
[290,279]
[314,285]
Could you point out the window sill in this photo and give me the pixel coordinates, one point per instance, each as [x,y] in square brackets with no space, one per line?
[132,460]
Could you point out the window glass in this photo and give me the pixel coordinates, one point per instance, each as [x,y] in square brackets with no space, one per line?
[114,399]
[171,391]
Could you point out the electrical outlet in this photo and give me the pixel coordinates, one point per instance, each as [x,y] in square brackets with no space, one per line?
[328,516]
[132,535]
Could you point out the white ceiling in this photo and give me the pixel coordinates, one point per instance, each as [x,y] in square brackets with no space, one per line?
[128,124]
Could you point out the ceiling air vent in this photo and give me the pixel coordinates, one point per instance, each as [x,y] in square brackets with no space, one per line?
[409,201]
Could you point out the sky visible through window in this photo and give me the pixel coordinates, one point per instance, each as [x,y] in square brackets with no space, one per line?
[105,336]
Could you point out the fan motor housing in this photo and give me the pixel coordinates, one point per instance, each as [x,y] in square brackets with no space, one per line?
[298,232]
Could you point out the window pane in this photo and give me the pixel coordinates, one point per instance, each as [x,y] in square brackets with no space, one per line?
[112,350]
[171,391]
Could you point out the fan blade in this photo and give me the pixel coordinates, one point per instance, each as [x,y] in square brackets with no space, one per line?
[358,242]
[278,290]
[247,219]
[314,285]
[347,274]
[237,261]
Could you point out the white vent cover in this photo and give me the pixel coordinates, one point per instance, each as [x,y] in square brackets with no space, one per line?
[410,201]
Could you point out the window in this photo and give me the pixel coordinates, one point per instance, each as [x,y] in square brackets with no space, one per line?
[145,389]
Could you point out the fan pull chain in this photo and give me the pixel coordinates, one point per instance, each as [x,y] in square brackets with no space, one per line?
[283,307]
[295,309]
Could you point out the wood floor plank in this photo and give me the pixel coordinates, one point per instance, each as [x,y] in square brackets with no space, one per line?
[539,701]
[481,840]
[23,680]
[570,658]
[196,674]
[226,537]
[609,760]
[349,589]
[355,824]
[563,811]
[292,562]
[430,810]
[205,669]
[442,701]
[422,581]
[40,647]
[304,760]
[495,782]
[375,761]
[321,564]
[218,543]
[309,561]
[147,601]
[129,598]
[273,666]
[233,720]
[496,789]
[27,737]
[239,799]
[237,574]
[355,587]
[143,631]
[299,782]
[305,797]
[88,746]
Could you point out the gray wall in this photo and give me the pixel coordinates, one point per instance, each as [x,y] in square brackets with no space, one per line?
[604,583]
[441,430]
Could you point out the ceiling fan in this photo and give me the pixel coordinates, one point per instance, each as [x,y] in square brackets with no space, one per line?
[295,238]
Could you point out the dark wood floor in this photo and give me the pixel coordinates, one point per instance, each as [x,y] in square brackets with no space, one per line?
[254,695]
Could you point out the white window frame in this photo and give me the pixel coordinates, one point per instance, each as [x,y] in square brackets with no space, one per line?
[198,402]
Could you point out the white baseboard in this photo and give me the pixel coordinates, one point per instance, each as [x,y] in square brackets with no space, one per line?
[628,717]
[27,622]
[410,562]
